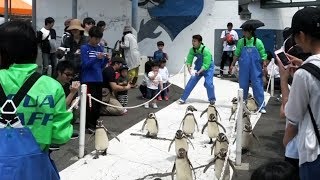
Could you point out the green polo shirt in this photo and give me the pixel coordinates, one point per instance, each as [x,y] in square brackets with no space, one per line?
[207,57]
[43,110]
[249,42]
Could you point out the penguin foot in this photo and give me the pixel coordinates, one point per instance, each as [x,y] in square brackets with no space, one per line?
[191,136]
[104,153]
[245,151]
[96,156]
[210,142]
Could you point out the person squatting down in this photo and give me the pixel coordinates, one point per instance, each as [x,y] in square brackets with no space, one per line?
[251,53]
[204,67]
[153,83]
[122,80]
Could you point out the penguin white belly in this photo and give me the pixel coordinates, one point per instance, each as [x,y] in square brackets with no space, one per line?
[246,137]
[251,105]
[152,127]
[101,139]
[189,124]
[183,168]
[213,130]
[181,143]
[218,169]
[211,111]
[219,146]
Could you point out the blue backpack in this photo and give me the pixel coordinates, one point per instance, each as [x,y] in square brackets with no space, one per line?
[20,155]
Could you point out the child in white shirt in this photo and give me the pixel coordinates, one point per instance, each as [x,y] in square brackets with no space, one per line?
[164,73]
[153,84]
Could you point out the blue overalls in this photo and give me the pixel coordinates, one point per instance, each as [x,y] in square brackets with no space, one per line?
[250,69]
[208,81]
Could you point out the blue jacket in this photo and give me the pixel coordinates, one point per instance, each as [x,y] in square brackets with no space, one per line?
[91,66]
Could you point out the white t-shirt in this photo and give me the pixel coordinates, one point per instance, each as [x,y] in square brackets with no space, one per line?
[154,84]
[234,34]
[164,73]
[304,91]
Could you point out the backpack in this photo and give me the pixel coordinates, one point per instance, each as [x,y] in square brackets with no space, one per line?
[44,44]
[229,38]
[20,154]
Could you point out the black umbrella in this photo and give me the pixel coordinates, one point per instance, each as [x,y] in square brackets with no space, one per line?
[252,24]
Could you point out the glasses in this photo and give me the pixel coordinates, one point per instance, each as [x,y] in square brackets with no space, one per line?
[69,75]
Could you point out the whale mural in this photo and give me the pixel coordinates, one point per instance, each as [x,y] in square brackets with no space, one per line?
[172,15]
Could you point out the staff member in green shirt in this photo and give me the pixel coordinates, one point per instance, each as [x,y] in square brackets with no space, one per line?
[251,53]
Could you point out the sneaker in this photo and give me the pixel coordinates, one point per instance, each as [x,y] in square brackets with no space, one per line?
[219,75]
[181,101]
[146,105]
[54,147]
[74,135]
[159,98]
[166,98]
[263,111]
[154,106]
[212,102]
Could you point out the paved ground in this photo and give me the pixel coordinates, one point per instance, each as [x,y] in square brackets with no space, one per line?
[116,124]
[269,129]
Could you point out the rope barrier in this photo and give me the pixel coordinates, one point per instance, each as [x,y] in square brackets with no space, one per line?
[136,106]
[230,144]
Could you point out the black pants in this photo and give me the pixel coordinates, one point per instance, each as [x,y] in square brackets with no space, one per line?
[293,162]
[93,113]
[227,56]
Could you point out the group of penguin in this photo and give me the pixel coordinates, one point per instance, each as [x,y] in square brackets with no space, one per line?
[182,165]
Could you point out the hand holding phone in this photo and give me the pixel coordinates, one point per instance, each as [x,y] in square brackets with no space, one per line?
[281,55]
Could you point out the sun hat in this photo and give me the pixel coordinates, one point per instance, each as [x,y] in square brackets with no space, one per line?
[75,24]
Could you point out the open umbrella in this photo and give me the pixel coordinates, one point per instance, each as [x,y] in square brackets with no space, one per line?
[252,23]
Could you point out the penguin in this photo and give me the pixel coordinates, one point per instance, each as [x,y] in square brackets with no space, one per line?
[213,129]
[251,103]
[246,119]
[219,143]
[181,141]
[218,162]
[247,134]
[189,122]
[151,124]
[101,142]
[234,107]
[211,109]
[182,166]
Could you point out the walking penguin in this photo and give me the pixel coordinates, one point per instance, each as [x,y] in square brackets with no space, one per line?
[151,124]
[213,129]
[182,166]
[189,122]
[181,141]
[101,142]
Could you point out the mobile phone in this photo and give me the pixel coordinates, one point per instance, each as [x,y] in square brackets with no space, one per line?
[283,57]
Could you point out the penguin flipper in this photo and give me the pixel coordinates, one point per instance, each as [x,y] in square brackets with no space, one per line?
[218,115]
[192,169]
[210,164]
[206,110]
[144,124]
[170,145]
[224,129]
[232,166]
[112,135]
[256,137]
[213,145]
[190,142]
[204,127]
[173,170]
[195,121]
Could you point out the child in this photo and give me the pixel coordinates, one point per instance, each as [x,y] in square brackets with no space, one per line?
[122,96]
[153,84]
[164,73]
[160,55]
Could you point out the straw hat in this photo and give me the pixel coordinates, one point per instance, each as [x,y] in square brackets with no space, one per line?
[75,24]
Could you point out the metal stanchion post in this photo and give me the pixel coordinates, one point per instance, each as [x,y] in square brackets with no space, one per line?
[239,128]
[272,85]
[83,103]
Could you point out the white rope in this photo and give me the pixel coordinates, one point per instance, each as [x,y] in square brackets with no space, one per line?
[230,144]
[75,104]
[136,106]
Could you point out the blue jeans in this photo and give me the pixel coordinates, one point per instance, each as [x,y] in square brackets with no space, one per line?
[310,170]
[164,93]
